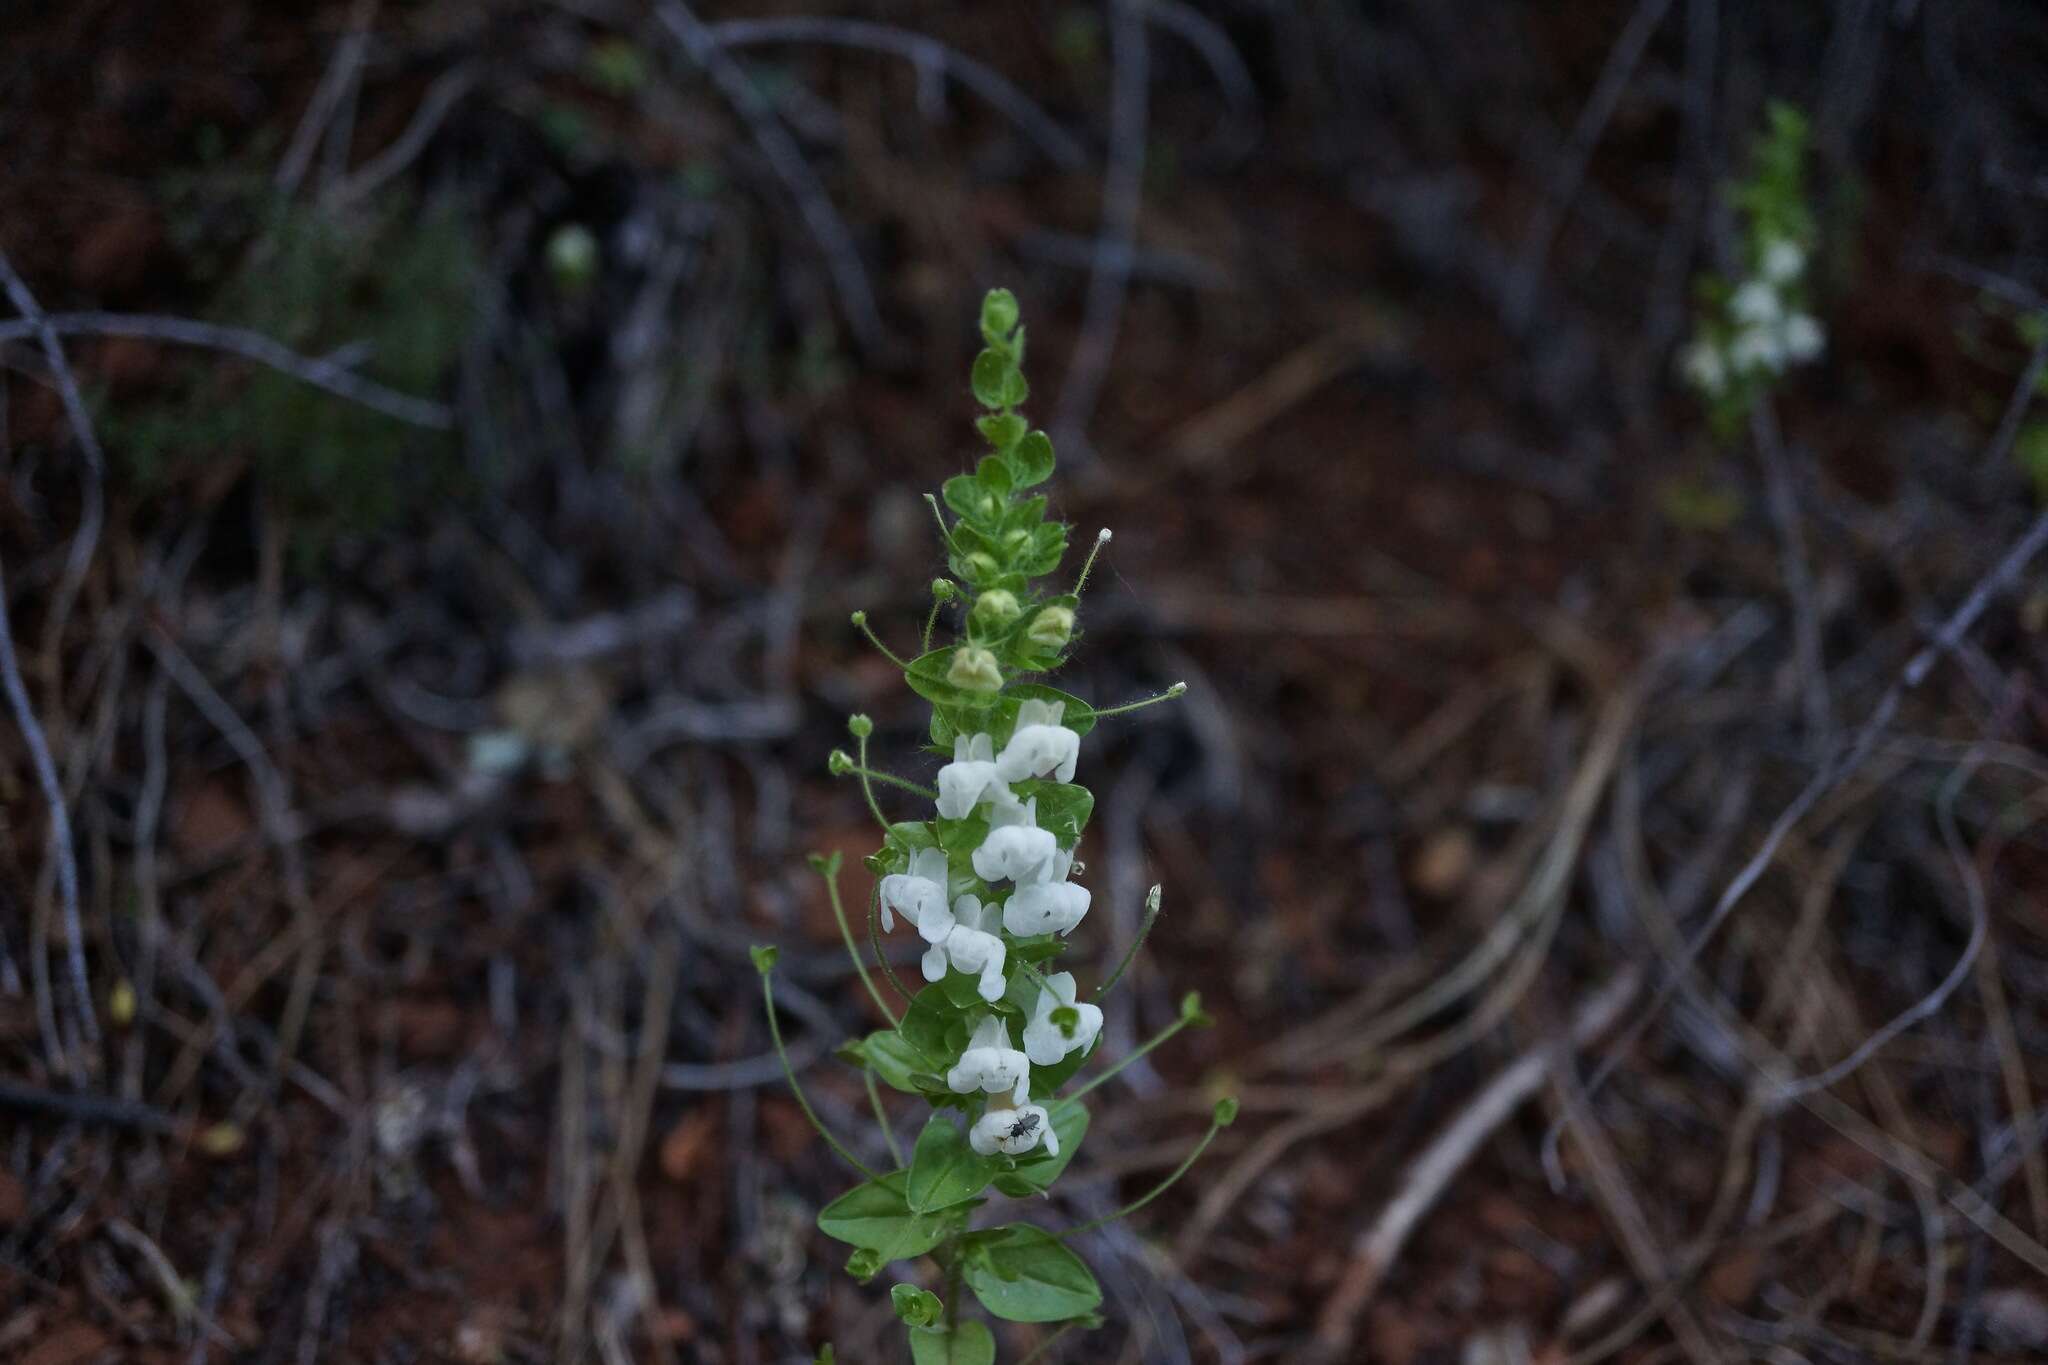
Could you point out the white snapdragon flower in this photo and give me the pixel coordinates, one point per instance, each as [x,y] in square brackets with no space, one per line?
[972,946]
[989,1063]
[1016,847]
[1757,304]
[1703,365]
[1783,261]
[1758,348]
[1013,1132]
[1803,338]
[971,778]
[1044,1043]
[1040,744]
[1050,904]
[920,894]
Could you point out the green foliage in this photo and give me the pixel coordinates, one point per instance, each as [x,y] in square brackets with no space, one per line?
[966,1343]
[395,282]
[1025,1274]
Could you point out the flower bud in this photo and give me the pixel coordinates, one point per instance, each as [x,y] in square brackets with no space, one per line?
[839,763]
[974,670]
[860,726]
[1052,628]
[996,608]
[981,564]
[943,590]
[1016,538]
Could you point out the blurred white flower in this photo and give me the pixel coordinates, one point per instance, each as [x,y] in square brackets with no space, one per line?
[1783,261]
[1049,904]
[1757,304]
[971,778]
[1013,1132]
[1803,338]
[1015,847]
[920,894]
[1044,1041]
[972,946]
[989,1063]
[1757,348]
[1040,744]
[1703,367]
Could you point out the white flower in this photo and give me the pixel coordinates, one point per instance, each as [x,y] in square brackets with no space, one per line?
[920,894]
[971,777]
[1802,338]
[1703,366]
[971,945]
[1040,744]
[1757,304]
[1757,348]
[1783,261]
[1044,1043]
[1015,847]
[1050,904]
[989,1063]
[1013,1132]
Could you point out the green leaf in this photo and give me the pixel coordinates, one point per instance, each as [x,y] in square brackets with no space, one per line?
[875,1215]
[1036,1172]
[944,1170]
[993,474]
[1032,460]
[1023,1274]
[991,379]
[895,1059]
[969,497]
[918,1307]
[1063,807]
[969,1343]
[1003,430]
[1047,547]
[999,314]
[928,1023]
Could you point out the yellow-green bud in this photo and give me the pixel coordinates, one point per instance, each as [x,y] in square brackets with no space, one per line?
[996,608]
[974,670]
[839,763]
[1016,538]
[943,590]
[860,726]
[982,564]
[1052,628]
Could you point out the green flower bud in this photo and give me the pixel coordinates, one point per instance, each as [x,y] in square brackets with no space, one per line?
[944,590]
[1052,628]
[764,958]
[974,670]
[1192,1013]
[1226,1111]
[998,314]
[1016,538]
[982,564]
[860,726]
[996,608]
[839,763]
[865,1264]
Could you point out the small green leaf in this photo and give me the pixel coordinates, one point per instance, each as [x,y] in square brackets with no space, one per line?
[875,1215]
[1032,461]
[928,1024]
[1036,1172]
[918,1307]
[1023,1274]
[999,314]
[968,1343]
[969,497]
[895,1059]
[1047,546]
[993,474]
[991,379]
[1003,430]
[944,1170]
[865,1263]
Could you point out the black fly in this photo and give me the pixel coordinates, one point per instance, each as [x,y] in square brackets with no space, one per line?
[1024,1127]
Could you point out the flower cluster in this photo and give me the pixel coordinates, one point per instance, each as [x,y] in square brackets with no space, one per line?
[1753,330]
[986,876]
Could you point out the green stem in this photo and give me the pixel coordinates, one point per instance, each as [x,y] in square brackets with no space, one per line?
[867,788]
[924,644]
[875,942]
[860,619]
[1168,695]
[1133,1055]
[852,949]
[867,1074]
[1161,1188]
[949,1301]
[1042,1347]
[1088,565]
[803,1101]
[876,774]
[1130,956]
